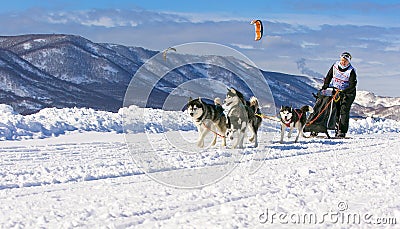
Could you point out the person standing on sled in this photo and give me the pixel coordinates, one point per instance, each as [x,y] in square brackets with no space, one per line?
[342,75]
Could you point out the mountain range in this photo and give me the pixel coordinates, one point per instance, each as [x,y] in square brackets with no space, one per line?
[58,70]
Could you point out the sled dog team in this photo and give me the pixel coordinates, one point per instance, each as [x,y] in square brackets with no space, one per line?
[235,115]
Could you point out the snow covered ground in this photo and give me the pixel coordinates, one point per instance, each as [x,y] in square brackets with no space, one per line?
[66,168]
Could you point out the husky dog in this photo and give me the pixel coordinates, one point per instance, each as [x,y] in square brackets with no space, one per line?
[241,114]
[255,119]
[207,117]
[293,118]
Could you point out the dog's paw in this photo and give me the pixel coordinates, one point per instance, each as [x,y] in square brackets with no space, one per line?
[223,143]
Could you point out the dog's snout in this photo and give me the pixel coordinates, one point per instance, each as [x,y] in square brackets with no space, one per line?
[191,114]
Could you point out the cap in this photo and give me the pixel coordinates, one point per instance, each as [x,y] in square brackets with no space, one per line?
[346,55]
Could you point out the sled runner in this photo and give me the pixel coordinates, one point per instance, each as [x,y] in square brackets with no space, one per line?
[325,137]
[324,116]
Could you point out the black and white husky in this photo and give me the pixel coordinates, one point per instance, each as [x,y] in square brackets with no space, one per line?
[241,114]
[293,118]
[207,117]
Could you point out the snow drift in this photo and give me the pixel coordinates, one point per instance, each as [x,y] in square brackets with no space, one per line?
[53,122]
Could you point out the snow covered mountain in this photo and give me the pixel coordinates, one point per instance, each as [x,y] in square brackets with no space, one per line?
[56,70]
[369,104]
[28,89]
[93,75]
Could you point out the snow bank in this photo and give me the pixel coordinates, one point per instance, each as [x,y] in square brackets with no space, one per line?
[373,125]
[53,122]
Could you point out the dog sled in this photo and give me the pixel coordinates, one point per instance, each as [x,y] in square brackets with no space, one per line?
[324,116]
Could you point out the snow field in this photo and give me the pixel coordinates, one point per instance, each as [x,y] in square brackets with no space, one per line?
[96,184]
[89,177]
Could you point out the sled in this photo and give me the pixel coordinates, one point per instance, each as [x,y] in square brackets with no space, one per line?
[325,137]
[324,116]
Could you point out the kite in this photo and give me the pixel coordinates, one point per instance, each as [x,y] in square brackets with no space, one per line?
[258,29]
[165,52]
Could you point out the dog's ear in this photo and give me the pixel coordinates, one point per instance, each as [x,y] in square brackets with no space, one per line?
[233,91]
[200,100]
[190,99]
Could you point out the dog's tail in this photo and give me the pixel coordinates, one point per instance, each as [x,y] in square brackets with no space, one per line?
[254,103]
[217,101]
[307,108]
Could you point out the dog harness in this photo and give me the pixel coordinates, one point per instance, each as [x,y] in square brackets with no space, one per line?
[201,121]
[299,115]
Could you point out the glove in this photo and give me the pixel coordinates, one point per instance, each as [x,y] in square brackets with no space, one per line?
[339,96]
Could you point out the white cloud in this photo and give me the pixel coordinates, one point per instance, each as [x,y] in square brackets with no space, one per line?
[375,63]
[109,18]
[394,48]
[207,17]
[102,21]
[306,44]
[243,46]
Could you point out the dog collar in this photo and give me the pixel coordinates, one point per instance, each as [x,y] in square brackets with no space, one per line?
[287,123]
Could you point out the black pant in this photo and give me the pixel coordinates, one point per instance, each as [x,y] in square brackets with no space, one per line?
[343,112]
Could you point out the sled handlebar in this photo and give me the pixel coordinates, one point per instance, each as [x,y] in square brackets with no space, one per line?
[335,88]
[321,90]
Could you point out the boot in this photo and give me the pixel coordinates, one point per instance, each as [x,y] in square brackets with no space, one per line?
[340,134]
[314,134]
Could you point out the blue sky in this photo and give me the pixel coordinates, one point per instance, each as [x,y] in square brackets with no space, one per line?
[301,37]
